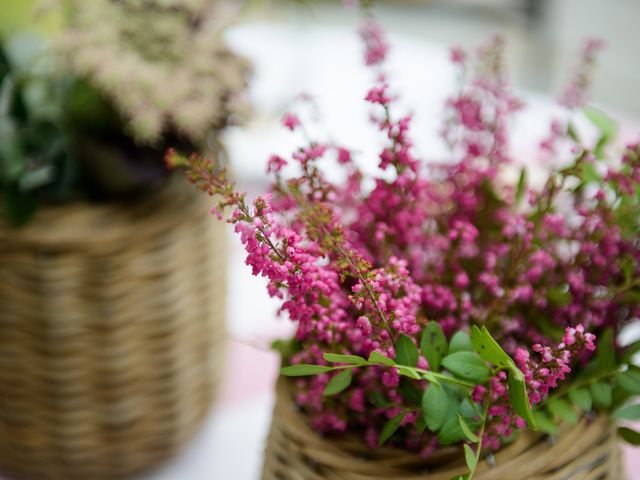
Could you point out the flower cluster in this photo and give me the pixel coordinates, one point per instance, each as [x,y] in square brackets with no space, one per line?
[390,274]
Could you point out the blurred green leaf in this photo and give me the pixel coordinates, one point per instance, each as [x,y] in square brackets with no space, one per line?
[390,428]
[435,405]
[433,345]
[338,382]
[304,370]
[582,398]
[406,351]
[563,410]
[468,366]
[460,342]
[349,359]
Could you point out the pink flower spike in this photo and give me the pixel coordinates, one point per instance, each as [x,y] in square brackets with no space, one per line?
[457,55]
[275,164]
[290,121]
[376,46]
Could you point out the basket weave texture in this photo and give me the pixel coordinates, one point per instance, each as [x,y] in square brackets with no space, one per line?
[111,334]
[586,451]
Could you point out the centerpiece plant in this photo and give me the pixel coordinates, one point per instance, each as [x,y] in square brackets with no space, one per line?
[440,304]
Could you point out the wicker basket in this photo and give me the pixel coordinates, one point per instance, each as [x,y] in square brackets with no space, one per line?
[587,451]
[111,334]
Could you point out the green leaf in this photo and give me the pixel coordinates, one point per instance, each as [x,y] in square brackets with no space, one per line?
[408,372]
[519,398]
[468,366]
[563,410]
[378,399]
[522,185]
[378,358]
[630,412]
[349,359]
[390,428]
[629,381]
[470,457]
[460,342]
[571,131]
[603,122]
[338,383]
[433,345]
[286,348]
[601,393]
[630,436]
[469,435]
[406,351]
[559,296]
[489,350]
[435,405]
[632,349]
[410,392]
[582,398]
[589,173]
[545,423]
[451,432]
[304,370]
[605,353]
[421,424]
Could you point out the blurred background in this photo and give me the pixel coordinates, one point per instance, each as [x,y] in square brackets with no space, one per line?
[234,88]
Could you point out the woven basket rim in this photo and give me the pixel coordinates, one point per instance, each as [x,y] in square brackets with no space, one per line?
[444,463]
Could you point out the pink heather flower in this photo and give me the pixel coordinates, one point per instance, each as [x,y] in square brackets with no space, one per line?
[376,46]
[364,324]
[275,164]
[457,55]
[575,94]
[344,156]
[378,95]
[290,121]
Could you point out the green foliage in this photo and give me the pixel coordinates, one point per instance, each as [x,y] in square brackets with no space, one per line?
[433,345]
[390,428]
[605,125]
[521,186]
[470,457]
[446,408]
[582,398]
[349,359]
[629,435]
[406,351]
[629,381]
[338,383]
[468,366]
[435,405]
[545,423]
[563,410]
[303,370]
[601,394]
[629,412]
[460,342]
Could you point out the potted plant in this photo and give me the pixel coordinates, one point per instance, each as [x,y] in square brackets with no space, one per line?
[449,321]
[112,280]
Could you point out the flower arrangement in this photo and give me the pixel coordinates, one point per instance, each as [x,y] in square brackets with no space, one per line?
[90,111]
[440,304]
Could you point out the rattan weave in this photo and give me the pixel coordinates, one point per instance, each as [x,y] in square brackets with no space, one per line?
[111,334]
[586,451]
